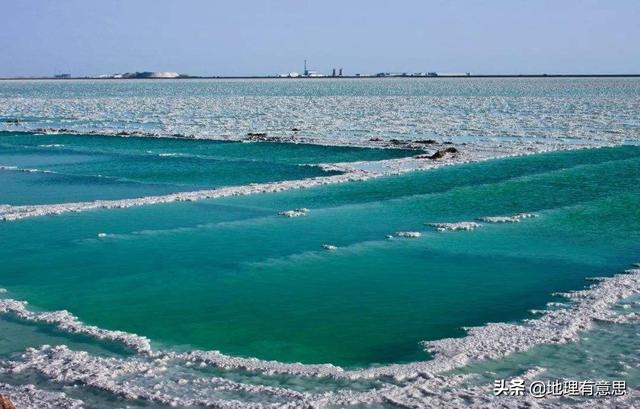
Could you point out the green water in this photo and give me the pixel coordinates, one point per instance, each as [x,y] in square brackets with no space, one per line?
[80,167]
[229,274]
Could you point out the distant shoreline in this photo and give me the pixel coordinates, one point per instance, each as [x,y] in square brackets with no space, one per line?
[331,77]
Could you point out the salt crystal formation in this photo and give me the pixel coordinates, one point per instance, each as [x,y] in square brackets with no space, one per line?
[164,377]
[295,212]
[465,226]
[65,321]
[516,218]
[356,171]
[28,396]
[409,234]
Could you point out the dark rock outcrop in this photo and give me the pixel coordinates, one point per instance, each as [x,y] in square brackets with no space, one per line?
[439,153]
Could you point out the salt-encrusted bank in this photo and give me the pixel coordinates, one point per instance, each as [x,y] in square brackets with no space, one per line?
[352,171]
[491,341]
[174,378]
[9,213]
[446,121]
[66,322]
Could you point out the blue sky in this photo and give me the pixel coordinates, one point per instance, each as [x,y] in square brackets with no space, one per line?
[246,37]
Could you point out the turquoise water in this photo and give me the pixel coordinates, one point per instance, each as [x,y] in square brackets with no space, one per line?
[256,284]
[230,274]
[70,168]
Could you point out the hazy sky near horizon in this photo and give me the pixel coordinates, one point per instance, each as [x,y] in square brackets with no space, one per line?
[248,37]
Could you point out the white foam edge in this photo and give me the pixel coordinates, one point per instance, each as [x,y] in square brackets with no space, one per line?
[10,213]
[354,171]
[491,341]
[67,322]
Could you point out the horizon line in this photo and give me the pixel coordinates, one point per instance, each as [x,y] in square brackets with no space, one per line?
[359,76]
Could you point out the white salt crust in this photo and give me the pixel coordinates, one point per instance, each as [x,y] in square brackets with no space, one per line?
[295,212]
[353,171]
[465,226]
[144,376]
[10,213]
[423,382]
[65,321]
[28,396]
[409,234]
[516,218]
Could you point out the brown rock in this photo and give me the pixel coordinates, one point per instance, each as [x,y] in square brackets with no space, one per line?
[5,403]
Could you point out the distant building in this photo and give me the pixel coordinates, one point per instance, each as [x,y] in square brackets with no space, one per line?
[148,74]
[164,74]
[450,74]
[289,75]
[310,73]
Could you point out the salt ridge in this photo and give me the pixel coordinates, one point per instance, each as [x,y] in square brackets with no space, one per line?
[409,234]
[561,324]
[464,226]
[10,213]
[516,218]
[152,377]
[65,321]
[355,171]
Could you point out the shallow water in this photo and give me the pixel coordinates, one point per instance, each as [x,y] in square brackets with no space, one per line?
[41,169]
[256,284]
[231,274]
